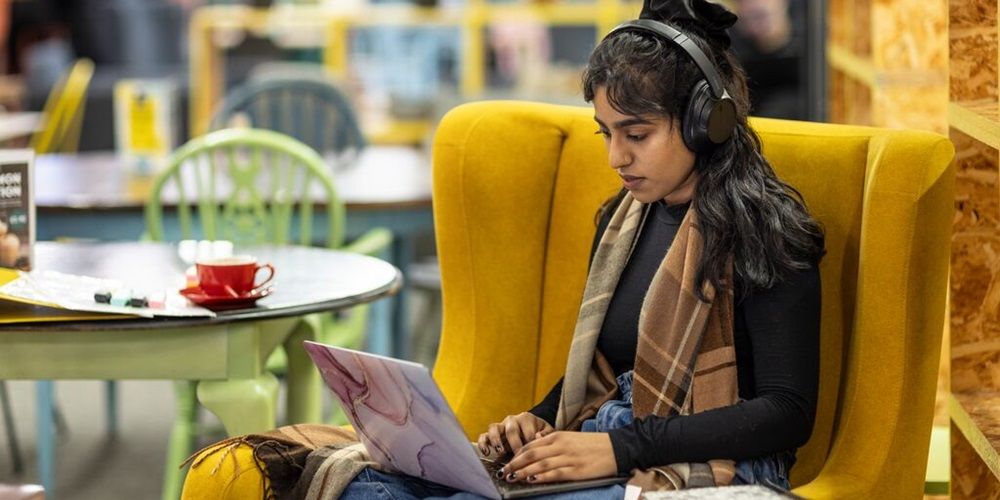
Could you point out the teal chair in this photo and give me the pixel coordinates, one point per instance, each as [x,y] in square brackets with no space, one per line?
[310,109]
[257,186]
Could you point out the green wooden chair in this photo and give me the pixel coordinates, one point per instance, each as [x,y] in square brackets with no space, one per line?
[312,110]
[256,186]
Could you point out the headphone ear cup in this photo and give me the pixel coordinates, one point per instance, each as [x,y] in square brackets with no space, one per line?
[695,126]
[708,121]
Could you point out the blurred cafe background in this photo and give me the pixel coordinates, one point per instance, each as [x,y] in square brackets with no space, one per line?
[105,90]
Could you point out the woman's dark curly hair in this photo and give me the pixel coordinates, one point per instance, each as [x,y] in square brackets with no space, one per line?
[745,212]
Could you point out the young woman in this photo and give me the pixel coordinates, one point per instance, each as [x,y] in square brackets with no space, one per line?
[758,245]
[695,356]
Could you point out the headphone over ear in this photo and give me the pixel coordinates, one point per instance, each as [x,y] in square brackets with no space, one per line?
[710,117]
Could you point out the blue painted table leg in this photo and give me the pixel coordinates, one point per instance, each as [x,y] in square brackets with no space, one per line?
[46,432]
[402,249]
[380,322]
[111,407]
[8,422]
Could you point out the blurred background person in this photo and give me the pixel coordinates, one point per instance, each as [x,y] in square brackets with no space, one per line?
[769,40]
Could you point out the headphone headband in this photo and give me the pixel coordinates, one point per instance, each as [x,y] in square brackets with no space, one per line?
[685,43]
[710,115]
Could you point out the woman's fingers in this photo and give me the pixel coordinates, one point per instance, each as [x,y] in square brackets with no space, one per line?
[512,431]
[484,444]
[521,430]
[547,464]
[562,456]
[512,434]
[496,440]
[534,451]
[549,476]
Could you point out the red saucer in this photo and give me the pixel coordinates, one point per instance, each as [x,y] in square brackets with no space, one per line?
[222,302]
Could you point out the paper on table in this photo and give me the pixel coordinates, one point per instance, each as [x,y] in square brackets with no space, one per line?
[55,289]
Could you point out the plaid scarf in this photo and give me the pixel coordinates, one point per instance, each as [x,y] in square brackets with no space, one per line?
[685,361]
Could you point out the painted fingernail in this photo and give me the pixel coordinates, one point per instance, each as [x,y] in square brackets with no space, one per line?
[532,478]
[512,476]
[484,450]
[499,448]
[499,473]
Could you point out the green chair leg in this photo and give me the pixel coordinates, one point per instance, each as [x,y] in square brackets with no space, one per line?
[181,442]
[305,387]
[244,406]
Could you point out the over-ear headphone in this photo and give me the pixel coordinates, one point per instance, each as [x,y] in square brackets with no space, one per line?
[711,114]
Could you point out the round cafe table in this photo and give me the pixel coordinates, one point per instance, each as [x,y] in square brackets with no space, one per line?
[223,355]
[98,195]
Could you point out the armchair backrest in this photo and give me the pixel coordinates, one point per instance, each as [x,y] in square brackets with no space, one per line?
[516,190]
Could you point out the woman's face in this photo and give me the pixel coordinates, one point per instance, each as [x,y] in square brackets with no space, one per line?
[647,152]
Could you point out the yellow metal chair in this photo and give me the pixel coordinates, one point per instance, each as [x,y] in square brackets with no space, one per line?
[63,112]
[516,188]
[60,133]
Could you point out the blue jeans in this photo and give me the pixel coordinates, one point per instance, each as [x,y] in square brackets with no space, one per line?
[374,485]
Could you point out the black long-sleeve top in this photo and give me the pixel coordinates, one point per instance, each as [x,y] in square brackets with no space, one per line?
[776,333]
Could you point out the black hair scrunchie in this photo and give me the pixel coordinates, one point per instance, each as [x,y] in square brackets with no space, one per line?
[710,18]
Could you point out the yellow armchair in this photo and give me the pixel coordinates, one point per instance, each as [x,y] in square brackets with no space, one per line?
[516,188]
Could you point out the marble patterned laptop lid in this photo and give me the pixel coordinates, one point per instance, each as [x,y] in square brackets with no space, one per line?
[401,417]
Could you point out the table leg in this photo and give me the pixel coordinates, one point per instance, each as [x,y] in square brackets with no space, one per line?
[402,249]
[244,406]
[46,432]
[111,407]
[8,422]
[381,322]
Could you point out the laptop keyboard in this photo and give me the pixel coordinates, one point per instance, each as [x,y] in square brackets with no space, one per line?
[520,488]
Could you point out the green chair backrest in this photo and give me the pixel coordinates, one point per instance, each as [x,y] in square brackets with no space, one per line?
[309,109]
[247,185]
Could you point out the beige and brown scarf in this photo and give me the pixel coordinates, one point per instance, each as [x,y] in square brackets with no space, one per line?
[685,361]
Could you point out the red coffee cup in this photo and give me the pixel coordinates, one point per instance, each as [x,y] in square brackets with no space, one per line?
[231,276]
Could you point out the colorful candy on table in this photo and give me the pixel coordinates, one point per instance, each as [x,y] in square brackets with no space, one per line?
[131,298]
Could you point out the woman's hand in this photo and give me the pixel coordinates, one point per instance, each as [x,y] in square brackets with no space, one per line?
[563,456]
[512,433]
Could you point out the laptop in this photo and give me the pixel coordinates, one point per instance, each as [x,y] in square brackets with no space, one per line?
[403,420]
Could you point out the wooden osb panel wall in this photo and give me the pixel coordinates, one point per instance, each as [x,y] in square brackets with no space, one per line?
[903,45]
[910,54]
[973,42]
[975,268]
[971,478]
